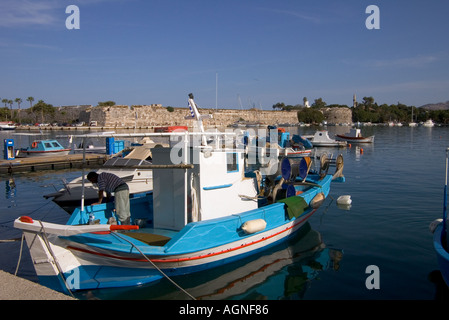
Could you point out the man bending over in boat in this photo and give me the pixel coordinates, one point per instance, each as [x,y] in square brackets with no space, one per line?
[111,183]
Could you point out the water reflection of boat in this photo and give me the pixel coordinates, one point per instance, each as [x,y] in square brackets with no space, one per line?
[280,273]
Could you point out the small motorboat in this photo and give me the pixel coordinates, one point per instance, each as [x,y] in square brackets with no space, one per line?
[354,136]
[205,210]
[321,139]
[7,125]
[429,123]
[298,147]
[131,168]
[43,148]
[88,146]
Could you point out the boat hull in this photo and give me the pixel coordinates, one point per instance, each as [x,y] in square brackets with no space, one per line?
[91,261]
[442,254]
[354,139]
[29,154]
[322,139]
[326,144]
[105,269]
[4,128]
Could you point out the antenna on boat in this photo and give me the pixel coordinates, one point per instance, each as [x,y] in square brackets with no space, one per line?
[195,114]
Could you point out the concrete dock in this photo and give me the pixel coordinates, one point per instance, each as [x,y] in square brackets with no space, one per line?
[16,288]
[51,163]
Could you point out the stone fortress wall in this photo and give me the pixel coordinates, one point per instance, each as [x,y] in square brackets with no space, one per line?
[157,115]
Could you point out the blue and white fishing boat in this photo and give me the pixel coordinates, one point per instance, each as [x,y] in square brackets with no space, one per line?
[205,210]
[440,238]
[40,148]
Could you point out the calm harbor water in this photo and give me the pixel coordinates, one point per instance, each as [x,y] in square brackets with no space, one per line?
[396,185]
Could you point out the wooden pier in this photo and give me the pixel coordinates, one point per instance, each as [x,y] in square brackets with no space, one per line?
[52,163]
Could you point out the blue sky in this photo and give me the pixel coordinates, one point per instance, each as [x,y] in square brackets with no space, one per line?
[262,52]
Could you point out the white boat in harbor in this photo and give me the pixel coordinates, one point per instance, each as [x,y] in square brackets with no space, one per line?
[7,125]
[88,146]
[322,139]
[412,123]
[131,169]
[354,136]
[429,123]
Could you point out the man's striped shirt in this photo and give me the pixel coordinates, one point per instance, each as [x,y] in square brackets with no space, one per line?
[108,181]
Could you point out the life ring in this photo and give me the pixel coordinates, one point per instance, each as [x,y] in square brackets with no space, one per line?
[34,145]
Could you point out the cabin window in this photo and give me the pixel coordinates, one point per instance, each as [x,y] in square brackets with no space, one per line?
[55,145]
[231,162]
[47,145]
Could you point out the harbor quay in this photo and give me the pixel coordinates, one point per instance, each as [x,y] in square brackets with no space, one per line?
[16,288]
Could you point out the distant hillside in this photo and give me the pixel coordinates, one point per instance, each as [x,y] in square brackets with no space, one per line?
[436,106]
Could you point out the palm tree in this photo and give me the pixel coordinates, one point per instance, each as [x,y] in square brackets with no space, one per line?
[30,99]
[5,101]
[19,101]
[10,102]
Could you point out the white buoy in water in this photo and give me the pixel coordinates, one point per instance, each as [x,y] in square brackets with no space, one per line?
[253,226]
[345,200]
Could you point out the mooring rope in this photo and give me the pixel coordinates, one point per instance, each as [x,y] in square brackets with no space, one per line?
[20,254]
[155,266]
[48,245]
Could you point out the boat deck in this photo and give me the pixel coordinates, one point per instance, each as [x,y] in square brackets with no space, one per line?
[55,162]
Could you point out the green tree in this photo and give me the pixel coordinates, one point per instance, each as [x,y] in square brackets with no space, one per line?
[19,101]
[368,101]
[319,103]
[30,100]
[10,102]
[106,103]
[309,115]
[279,105]
[43,108]
[4,113]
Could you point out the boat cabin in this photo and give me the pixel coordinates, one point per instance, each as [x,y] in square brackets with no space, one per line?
[45,145]
[355,133]
[215,187]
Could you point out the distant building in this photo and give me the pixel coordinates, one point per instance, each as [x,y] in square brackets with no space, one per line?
[306,103]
